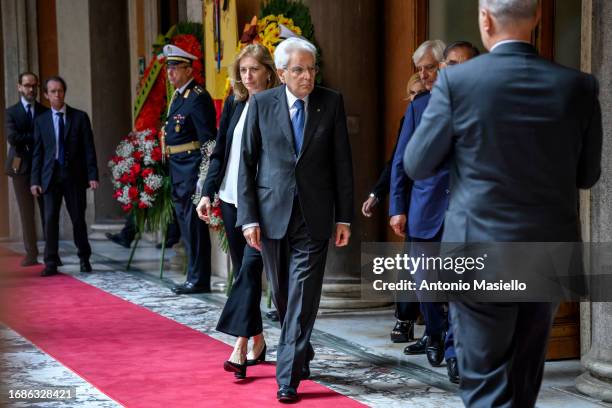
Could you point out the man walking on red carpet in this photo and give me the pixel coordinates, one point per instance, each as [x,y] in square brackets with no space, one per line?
[295,182]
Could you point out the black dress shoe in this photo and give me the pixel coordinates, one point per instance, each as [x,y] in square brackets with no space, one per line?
[119,240]
[239,370]
[85,265]
[49,271]
[403,331]
[418,347]
[189,288]
[272,315]
[453,370]
[29,261]
[286,394]
[259,359]
[435,350]
[306,368]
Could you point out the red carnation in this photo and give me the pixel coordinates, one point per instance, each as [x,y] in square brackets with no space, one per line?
[117,193]
[126,208]
[116,159]
[135,170]
[148,190]
[137,156]
[147,172]
[124,179]
[133,193]
[141,205]
[156,154]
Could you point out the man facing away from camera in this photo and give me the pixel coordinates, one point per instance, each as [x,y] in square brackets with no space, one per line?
[522,135]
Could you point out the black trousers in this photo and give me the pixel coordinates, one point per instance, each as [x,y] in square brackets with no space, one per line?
[241,315]
[25,201]
[75,197]
[194,233]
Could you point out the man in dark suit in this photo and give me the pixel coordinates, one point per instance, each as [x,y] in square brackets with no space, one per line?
[64,166]
[522,135]
[19,125]
[190,123]
[295,183]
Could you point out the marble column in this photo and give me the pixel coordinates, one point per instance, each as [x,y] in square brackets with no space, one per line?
[597,380]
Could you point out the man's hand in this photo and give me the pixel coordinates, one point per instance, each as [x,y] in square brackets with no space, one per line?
[368,205]
[253,237]
[93,184]
[36,190]
[398,224]
[203,209]
[343,233]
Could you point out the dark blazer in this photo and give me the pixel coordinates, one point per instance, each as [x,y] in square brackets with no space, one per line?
[271,175]
[219,157]
[522,135]
[20,135]
[424,201]
[80,152]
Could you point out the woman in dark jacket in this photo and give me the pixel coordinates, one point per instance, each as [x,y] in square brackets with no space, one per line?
[252,72]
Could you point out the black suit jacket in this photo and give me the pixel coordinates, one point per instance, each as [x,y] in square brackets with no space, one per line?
[219,157]
[80,152]
[271,175]
[522,135]
[20,135]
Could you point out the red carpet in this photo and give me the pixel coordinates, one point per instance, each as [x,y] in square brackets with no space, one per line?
[134,356]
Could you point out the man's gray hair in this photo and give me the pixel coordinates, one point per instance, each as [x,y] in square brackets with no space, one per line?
[436,47]
[506,11]
[289,46]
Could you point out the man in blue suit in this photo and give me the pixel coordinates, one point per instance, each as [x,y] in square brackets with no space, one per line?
[417,208]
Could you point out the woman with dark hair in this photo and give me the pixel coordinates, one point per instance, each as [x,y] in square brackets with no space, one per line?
[252,72]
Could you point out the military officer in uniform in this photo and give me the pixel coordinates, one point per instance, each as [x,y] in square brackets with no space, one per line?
[190,123]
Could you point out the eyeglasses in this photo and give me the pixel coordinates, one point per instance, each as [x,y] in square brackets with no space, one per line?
[298,71]
[427,68]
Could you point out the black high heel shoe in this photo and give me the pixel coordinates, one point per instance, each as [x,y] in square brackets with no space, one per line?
[259,359]
[239,370]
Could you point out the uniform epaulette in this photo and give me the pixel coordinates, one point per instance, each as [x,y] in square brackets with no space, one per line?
[198,89]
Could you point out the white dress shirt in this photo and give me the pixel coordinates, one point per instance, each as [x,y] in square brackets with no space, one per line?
[291,98]
[229,186]
[25,104]
[56,120]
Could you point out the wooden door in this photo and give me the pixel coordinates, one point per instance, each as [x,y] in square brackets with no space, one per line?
[558,18]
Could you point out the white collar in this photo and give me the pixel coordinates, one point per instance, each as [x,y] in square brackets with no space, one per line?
[291,98]
[507,42]
[185,85]
[25,104]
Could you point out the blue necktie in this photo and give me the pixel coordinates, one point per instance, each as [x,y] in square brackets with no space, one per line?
[60,138]
[298,125]
[29,114]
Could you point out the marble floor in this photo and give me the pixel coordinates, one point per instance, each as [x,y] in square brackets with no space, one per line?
[353,354]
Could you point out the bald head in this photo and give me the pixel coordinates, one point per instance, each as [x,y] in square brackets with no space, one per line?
[509,11]
[506,20]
